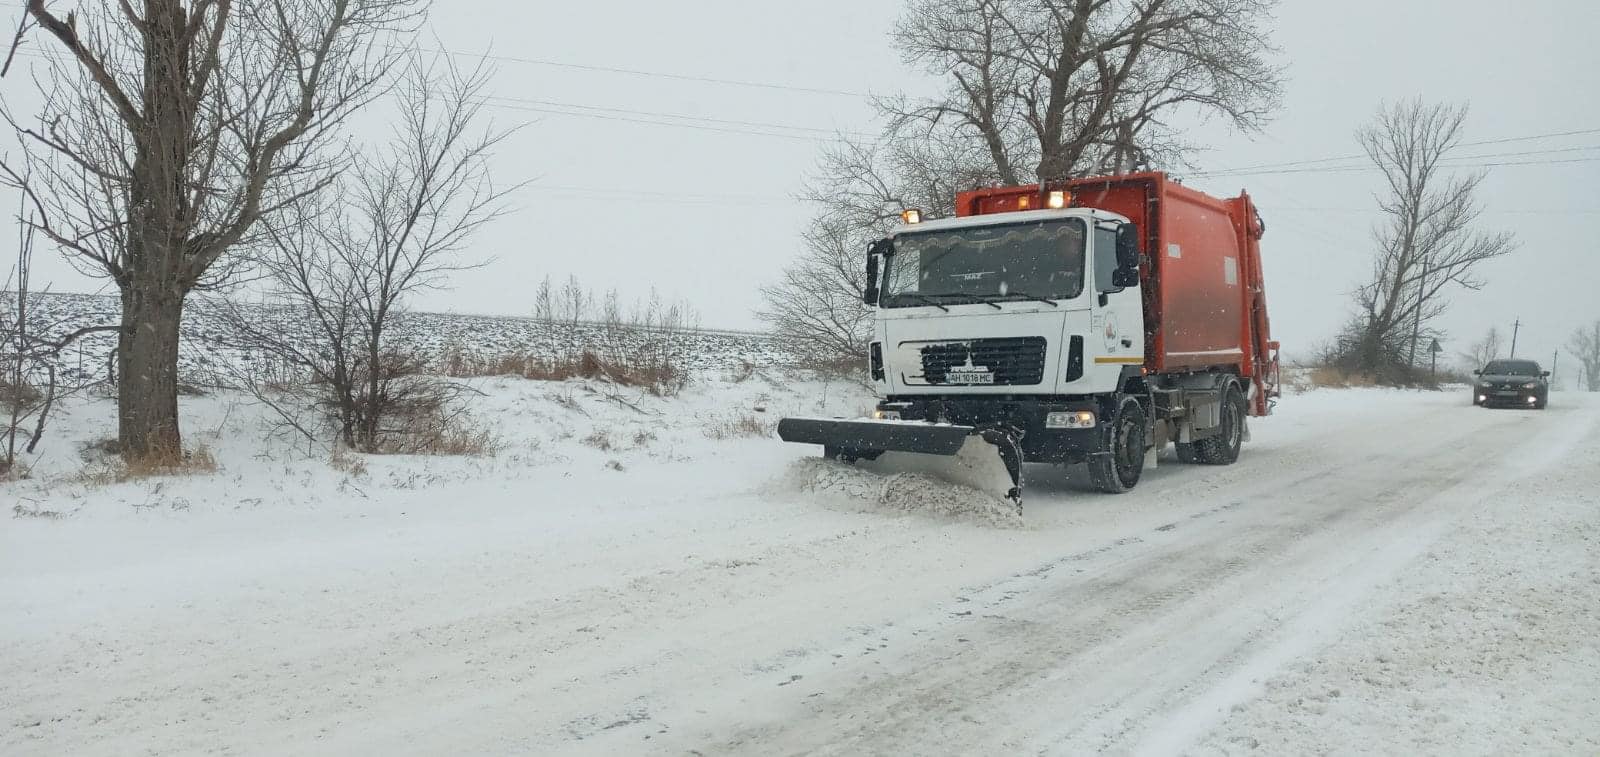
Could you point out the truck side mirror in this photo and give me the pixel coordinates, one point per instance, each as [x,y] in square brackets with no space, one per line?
[875,252]
[1127,273]
[1544,374]
[1477,371]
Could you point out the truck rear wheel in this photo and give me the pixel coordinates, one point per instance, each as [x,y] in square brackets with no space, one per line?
[1223,449]
[1117,469]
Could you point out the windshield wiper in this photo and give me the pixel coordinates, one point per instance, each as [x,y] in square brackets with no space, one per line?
[924,299]
[965,299]
[1034,297]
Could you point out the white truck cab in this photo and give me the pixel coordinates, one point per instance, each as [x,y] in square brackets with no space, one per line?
[1022,303]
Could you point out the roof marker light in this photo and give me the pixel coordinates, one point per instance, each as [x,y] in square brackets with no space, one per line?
[910,216]
[1057,200]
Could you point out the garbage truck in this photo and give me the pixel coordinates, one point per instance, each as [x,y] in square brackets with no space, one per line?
[1093,321]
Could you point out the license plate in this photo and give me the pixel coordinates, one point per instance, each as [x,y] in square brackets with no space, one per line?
[969,377]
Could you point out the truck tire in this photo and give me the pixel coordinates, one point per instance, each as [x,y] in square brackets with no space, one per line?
[1186,452]
[1117,470]
[1223,449]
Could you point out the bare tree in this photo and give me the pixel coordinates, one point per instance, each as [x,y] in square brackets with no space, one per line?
[1485,349]
[394,226]
[30,385]
[169,130]
[1426,243]
[1585,346]
[1052,88]
[27,378]
[816,308]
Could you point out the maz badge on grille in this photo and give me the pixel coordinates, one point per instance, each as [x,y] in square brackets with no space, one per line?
[967,373]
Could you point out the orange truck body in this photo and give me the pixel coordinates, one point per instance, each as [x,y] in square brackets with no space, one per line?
[1205,303]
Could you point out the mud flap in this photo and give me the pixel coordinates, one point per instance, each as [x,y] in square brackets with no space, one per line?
[986,459]
[1158,443]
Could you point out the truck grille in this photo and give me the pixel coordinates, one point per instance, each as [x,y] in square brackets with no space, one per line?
[1015,361]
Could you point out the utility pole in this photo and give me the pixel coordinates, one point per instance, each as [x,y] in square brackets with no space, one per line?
[1515,327]
[1555,359]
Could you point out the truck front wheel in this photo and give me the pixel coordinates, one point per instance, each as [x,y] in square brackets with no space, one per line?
[1117,469]
[1223,449]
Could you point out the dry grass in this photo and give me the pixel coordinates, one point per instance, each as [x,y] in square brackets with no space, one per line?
[742,372]
[449,438]
[657,376]
[160,463]
[1328,377]
[348,462]
[600,439]
[431,421]
[743,426]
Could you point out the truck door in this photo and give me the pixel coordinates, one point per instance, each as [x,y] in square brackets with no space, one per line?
[1116,339]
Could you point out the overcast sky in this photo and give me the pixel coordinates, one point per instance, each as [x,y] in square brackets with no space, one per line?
[707,214]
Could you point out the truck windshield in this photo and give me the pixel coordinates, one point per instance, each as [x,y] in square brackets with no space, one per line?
[986,263]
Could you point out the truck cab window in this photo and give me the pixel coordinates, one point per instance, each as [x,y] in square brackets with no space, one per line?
[1105,258]
[1016,261]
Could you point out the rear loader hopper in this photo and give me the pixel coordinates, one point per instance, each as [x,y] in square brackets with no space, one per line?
[1092,321]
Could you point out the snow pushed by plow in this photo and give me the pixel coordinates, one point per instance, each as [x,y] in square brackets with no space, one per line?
[876,487]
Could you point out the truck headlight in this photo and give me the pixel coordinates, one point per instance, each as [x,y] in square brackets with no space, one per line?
[1070,419]
[1531,385]
[886,415]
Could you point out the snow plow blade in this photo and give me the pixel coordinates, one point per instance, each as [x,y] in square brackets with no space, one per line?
[986,459]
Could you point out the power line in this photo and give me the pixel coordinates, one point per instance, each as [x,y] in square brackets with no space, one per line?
[644,196]
[655,122]
[1315,161]
[1489,210]
[677,116]
[650,74]
[653,118]
[1361,169]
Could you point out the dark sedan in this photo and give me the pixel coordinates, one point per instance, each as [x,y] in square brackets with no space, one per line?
[1512,383]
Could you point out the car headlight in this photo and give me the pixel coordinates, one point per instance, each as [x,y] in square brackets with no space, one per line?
[886,415]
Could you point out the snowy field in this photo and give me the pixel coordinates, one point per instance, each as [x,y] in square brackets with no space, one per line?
[1383,572]
[212,348]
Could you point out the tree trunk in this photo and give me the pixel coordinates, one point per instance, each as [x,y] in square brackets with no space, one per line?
[147,371]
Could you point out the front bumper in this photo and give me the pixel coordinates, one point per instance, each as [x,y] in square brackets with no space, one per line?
[1518,397]
[1039,444]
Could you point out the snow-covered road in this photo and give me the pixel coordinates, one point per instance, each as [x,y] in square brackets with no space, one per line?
[1384,571]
